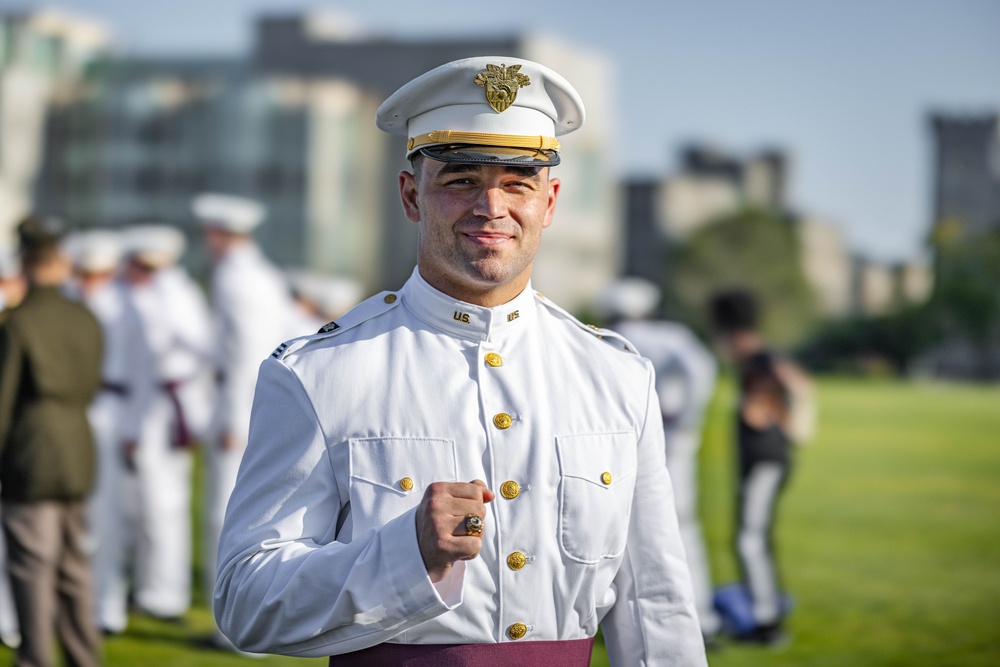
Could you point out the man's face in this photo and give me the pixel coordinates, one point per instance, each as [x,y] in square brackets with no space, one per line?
[479,226]
[217,241]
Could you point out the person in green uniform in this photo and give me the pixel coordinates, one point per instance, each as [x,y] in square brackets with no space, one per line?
[50,352]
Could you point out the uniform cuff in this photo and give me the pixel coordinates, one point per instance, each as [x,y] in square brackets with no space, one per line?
[406,567]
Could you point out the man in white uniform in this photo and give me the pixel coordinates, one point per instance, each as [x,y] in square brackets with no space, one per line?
[12,290]
[115,418]
[459,472]
[685,379]
[176,320]
[253,312]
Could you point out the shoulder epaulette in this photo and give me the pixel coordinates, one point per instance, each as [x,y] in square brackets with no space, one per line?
[610,337]
[364,311]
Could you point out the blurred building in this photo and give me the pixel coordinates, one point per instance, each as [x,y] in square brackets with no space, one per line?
[710,184]
[140,137]
[39,52]
[293,126]
[967,172]
[874,291]
[827,265]
[965,228]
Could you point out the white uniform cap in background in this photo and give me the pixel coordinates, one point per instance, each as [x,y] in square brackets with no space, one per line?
[158,246]
[338,295]
[238,215]
[630,298]
[10,264]
[331,296]
[95,251]
[487,109]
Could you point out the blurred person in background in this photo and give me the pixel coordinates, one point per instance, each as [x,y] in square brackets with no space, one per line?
[12,289]
[50,356]
[252,311]
[320,299]
[360,526]
[177,327]
[775,410]
[685,380]
[115,417]
[12,284]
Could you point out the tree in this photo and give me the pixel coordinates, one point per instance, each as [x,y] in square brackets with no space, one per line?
[753,249]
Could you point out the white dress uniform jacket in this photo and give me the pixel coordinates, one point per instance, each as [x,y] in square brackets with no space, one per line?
[319,552]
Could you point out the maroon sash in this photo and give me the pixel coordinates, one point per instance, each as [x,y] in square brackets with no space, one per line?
[181,438]
[570,653]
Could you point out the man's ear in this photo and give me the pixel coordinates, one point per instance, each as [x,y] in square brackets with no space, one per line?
[408,195]
[553,186]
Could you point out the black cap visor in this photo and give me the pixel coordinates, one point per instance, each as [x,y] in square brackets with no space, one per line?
[469,154]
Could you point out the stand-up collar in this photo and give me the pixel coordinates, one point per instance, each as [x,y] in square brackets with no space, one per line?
[465,319]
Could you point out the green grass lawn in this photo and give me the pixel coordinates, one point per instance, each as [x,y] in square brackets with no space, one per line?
[888,536]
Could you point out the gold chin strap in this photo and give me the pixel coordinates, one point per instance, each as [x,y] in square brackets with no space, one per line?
[483,139]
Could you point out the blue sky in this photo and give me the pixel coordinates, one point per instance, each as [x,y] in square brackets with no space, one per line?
[846,87]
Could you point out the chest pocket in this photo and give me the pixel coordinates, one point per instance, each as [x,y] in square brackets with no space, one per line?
[389,475]
[597,479]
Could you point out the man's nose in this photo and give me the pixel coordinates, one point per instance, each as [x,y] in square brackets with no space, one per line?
[491,203]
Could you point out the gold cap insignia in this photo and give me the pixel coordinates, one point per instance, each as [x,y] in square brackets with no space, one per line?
[501,84]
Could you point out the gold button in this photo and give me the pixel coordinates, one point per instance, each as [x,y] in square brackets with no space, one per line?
[606,477]
[406,484]
[517,630]
[390,298]
[494,359]
[510,489]
[502,420]
[516,561]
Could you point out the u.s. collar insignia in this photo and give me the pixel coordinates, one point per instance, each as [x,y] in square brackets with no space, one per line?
[501,84]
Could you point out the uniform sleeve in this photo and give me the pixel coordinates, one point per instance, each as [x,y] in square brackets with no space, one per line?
[653,622]
[285,585]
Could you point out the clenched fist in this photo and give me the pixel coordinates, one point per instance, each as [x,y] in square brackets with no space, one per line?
[441,533]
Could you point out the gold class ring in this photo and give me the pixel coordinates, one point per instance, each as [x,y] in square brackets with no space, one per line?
[473,525]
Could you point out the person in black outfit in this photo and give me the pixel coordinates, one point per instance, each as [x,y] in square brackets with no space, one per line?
[774,411]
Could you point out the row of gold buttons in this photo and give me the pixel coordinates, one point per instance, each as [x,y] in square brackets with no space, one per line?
[509,490]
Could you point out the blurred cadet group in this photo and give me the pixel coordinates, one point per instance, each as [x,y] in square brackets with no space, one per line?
[169,371]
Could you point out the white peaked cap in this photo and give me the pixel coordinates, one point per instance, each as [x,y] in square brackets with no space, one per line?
[630,298]
[331,295]
[95,251]
[486,102]
[10,264]
[157,245]
[234,214]
[338,295]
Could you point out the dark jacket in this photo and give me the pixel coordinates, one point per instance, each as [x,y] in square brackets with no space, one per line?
[50,355]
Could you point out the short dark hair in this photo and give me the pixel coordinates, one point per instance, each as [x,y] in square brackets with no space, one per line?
[733,309]
[39,238]
[416,162]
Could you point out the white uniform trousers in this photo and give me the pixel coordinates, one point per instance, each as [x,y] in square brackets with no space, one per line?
[113,512]
[682,463]
[9,632]
[164,558]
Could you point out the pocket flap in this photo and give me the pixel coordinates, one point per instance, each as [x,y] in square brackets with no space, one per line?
[386,462]
[602,459]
